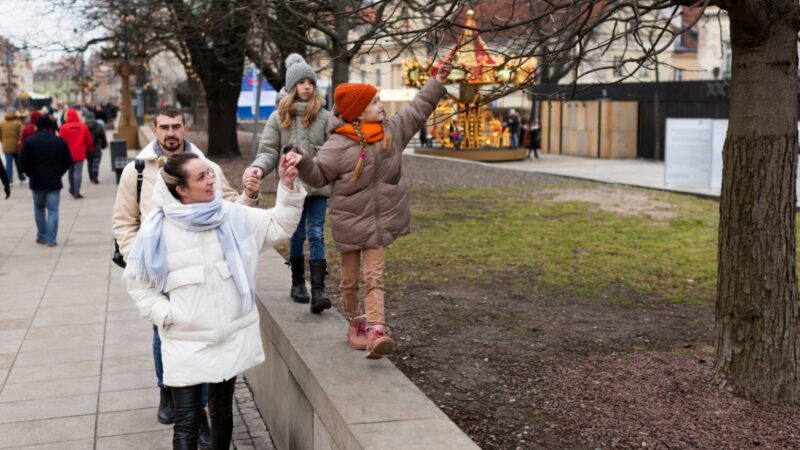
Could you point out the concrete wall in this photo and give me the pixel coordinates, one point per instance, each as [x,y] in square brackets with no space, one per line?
[314,392]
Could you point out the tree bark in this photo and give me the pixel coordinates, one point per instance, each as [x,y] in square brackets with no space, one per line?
[222,98]
[757,353]
[340,54]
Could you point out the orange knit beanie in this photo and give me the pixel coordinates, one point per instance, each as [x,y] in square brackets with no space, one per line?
[352,98]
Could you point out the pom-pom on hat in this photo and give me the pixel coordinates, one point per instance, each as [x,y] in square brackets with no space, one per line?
[298,69]
[352,98]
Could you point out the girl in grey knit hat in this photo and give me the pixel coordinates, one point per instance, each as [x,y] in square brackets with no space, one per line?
[300,121]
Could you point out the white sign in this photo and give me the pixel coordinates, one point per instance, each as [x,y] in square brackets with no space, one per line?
[719,131]
[688,152]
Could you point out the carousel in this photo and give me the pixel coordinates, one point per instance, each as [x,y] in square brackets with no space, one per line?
[462,125]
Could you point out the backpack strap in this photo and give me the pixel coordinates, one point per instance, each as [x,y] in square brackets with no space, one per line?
[139,164]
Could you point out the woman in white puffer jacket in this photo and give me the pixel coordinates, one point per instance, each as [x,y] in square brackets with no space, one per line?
[190,272]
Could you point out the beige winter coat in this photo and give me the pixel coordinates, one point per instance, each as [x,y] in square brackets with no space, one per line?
[374,210]
[127,214]
[10,130]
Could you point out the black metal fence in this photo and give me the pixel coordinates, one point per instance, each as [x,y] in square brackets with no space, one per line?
[676,99]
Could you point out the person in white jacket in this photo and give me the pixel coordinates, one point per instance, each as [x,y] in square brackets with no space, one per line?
[191,272]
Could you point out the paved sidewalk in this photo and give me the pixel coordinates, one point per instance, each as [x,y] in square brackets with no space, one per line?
[76,365]
[633,172]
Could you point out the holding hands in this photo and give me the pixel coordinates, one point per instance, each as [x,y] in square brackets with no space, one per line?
[288,169]
[251,179]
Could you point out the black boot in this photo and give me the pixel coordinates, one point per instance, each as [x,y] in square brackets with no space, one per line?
[299,291]
[319,301]
[166,409]
[204,437]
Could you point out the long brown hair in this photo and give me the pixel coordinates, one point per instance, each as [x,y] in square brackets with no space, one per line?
[287,108]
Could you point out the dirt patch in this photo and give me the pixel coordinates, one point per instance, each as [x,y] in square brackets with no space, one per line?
[626,201]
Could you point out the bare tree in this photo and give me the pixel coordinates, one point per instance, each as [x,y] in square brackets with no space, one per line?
[757,348]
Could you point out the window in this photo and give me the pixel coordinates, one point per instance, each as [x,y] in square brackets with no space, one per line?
[678,74]
[378,78]
[363,76]
[643,72]
[619,69]
[397,76]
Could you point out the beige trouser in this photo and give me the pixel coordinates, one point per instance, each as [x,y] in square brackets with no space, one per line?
[373,265]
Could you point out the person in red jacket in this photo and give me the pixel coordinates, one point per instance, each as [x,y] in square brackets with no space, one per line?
[30,128]
[80,142]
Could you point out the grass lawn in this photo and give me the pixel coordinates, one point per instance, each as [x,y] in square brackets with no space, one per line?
[470,234]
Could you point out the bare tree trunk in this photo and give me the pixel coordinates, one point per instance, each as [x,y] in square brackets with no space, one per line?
[199,109]
[340,55]
[222,99]
[757,353]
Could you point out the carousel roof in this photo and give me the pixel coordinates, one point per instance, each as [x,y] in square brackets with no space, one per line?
[472,61]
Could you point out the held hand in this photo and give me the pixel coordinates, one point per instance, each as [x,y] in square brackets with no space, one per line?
[252,184]
[293,159]
[288,172]
[252,172]
[444,70]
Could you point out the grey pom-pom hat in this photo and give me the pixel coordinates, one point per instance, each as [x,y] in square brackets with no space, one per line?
[296,70]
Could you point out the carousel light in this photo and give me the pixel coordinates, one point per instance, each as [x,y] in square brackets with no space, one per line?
[458,74]
[503,75]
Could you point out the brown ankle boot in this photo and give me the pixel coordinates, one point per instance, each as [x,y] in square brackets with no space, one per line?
[357,332]
[379,344]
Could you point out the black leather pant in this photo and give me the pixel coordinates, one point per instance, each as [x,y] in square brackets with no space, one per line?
[187,415]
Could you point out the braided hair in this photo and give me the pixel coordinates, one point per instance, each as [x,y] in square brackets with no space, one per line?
[362,143]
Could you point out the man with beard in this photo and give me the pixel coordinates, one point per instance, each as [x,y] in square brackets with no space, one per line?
[134,203]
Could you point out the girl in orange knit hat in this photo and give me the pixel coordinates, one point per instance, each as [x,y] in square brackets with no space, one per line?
[369,205]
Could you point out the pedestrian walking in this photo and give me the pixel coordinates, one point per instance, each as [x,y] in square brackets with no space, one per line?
[79,139]
[535,139]
[135,201]
[191,272]
[45,158]
[4,180]
[10,131]
[100,142]
[512,123]
[300,121]
[369,200]
[30,127]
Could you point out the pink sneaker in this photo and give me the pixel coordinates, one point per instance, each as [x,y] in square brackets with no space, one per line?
[357,332]
[379,344]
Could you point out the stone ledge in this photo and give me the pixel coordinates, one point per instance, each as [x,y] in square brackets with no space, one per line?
[315,392]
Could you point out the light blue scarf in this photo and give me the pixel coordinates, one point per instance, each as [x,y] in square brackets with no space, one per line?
[147,259]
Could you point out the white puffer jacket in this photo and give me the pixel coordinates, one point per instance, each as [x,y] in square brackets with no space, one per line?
[204,336]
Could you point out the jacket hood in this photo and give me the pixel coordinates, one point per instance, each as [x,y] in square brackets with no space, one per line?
[161,195]
[335,120]
[72,116]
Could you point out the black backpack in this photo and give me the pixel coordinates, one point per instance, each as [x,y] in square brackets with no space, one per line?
[139,164]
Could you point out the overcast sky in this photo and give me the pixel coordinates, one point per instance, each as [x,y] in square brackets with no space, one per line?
[34,22]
